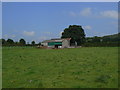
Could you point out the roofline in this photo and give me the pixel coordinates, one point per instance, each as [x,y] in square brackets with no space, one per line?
[57,39]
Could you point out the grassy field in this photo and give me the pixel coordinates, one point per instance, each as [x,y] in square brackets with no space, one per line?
[0,68]
[86,67]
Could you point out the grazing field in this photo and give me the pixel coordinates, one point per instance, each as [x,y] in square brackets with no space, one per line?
[86,67]
[0,68]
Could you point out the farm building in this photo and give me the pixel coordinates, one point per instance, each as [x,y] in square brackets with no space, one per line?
[57,43]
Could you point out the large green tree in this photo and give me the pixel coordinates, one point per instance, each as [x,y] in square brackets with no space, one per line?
[76,33]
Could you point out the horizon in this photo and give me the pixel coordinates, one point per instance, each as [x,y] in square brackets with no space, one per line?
[55,38]
[46,20]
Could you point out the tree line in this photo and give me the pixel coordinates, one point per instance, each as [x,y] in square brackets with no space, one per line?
[105,41]
[21,42]
[88,42]
[78,37]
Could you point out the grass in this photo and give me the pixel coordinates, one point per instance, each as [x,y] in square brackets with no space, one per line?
[0,67]
[86,67]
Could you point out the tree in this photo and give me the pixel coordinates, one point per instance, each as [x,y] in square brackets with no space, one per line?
[39,43]
[96,39]
[76,33]
[10,42]
[33,43]
[22,42]
[0,42]
[16,43]
[3,41]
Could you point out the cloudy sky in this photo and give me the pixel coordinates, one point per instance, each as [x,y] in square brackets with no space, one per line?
[45,20]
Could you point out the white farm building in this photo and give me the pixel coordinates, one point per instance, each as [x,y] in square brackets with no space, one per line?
[57,43]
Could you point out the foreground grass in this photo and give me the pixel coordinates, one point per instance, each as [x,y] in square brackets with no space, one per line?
[94,67]
[0,67]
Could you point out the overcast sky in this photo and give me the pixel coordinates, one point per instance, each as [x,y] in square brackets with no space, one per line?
[45,20]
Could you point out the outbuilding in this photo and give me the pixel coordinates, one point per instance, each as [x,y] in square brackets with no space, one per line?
[57,43]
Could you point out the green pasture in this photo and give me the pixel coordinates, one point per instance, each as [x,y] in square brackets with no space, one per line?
[86,67]
[0,67]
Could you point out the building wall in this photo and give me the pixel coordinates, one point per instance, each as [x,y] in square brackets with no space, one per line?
[44,44]
[50,46]
[66,44]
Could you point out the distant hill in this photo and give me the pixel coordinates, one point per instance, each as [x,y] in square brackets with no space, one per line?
[107,38]
[114,37]
[104,41]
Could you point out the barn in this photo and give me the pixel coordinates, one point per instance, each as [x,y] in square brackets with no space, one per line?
[57,43]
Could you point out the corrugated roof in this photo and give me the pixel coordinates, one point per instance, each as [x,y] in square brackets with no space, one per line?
[46,41]
[56,40]
[52,41]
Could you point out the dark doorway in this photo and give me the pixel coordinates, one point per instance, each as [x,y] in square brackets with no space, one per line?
[56,46]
